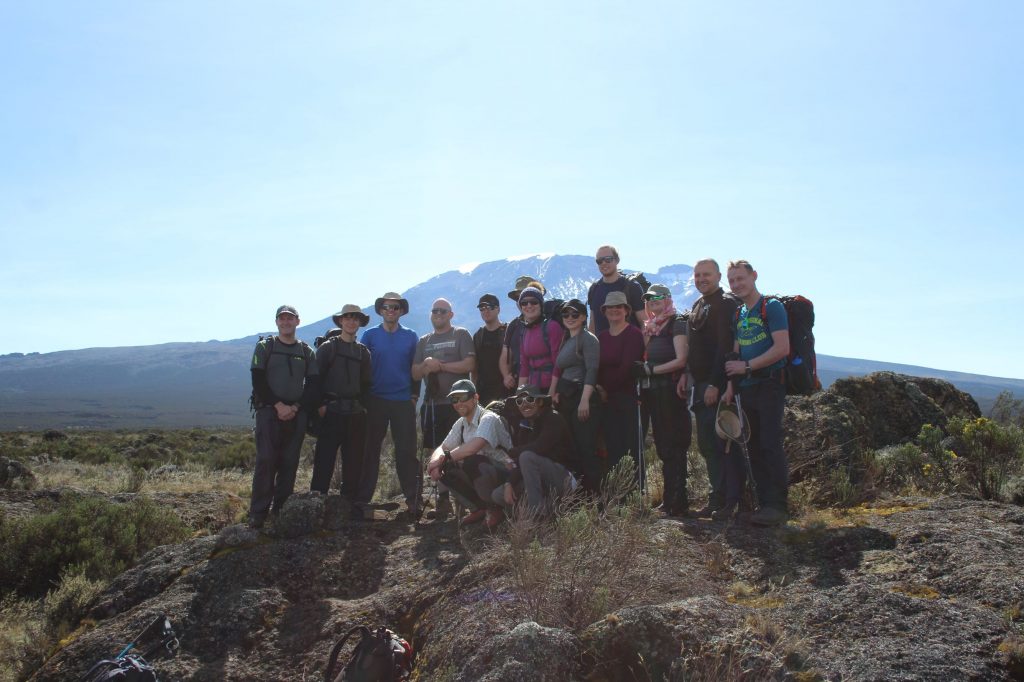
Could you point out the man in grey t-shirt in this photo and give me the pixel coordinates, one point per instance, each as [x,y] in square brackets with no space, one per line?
[442,357]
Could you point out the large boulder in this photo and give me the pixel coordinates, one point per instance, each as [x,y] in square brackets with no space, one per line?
[15,475]
[822,432]
[896,406]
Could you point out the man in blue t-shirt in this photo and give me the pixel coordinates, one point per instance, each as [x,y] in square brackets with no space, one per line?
[762,341]
[393,395]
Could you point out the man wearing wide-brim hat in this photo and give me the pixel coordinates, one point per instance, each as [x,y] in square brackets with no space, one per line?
[345,376]
[392,402]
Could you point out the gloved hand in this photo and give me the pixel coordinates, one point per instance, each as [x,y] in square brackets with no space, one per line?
[643,370]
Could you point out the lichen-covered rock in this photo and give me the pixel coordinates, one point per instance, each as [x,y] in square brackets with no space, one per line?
[15,475]
[302,514]
[529,653]
[893,406]
[822,432]
[952,401]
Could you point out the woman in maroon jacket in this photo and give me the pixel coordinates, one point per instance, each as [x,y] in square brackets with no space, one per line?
[622,345]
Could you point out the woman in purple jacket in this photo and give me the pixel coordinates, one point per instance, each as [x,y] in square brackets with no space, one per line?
[541,341]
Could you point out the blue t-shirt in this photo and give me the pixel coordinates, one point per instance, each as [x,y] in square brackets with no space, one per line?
[391,356]
[755,336]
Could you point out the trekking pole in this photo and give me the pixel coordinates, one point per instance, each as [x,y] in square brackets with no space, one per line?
[640,443]
[751,483]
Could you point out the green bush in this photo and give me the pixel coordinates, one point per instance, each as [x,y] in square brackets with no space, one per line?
[66,605]
[101,538]
[991,452]
[240,455]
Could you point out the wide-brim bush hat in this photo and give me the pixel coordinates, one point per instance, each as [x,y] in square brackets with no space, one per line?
[616,298]
[729,426]
[391,296]
[350,308]
[522,282]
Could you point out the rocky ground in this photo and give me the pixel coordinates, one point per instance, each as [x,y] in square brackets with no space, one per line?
[903,588]
[914,589]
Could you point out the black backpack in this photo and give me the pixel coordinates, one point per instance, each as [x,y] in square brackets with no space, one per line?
[128,666]
[801,370]
[380,656]
[307,354]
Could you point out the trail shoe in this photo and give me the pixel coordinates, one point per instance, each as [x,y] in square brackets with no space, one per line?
[256,522]
[474,517]
[494,518]
[726,513]
[707,511]
[768,516]
[443,511]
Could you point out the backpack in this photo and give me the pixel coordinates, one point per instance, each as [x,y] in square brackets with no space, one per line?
[132,667]
[254,403]
[637,277]
[801,370]
[380,656]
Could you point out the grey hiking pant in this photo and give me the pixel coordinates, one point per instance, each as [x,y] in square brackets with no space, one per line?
[544,481]
[277,459]
[401,416]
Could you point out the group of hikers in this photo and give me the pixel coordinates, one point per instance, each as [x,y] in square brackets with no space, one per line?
[516,415]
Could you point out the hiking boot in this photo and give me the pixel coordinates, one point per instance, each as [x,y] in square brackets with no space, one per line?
[257,522]
[768,516]
[474,517]
[443,511]
[494,519]
[707,511]
[726,513]
[410,514]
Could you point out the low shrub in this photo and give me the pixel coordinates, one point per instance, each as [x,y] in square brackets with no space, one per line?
[102,538]
[24,643]
[991,452]
[65,605]
[590,559]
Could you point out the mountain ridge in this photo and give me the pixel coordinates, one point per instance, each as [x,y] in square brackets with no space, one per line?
[206,383]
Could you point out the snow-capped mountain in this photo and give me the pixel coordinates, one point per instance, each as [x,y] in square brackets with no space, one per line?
[564,277]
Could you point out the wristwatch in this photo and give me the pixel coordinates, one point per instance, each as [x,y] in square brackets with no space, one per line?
[748,368]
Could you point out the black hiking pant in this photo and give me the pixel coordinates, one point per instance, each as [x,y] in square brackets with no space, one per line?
[670,420]
[584,437]
[400,415]
[277,459]
[764,404]
[347,432]
[620,423]
[711,447]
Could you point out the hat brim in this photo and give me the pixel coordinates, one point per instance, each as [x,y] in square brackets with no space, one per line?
[729,427]
[364,319]
[401,301]
[628,306]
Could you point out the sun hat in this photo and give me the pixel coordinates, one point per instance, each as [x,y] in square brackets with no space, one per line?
[347,309]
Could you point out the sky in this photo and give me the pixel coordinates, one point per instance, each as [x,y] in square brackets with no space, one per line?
[173,171]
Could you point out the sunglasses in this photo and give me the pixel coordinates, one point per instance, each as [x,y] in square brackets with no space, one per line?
[604,259]
[352,316]
[391,306]
[439,311]
[654,298]
[486,306]
[570,315]
[461,398]
[526,400]
[529,301]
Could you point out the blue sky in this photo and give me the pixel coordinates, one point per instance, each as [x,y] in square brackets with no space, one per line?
[174,170]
